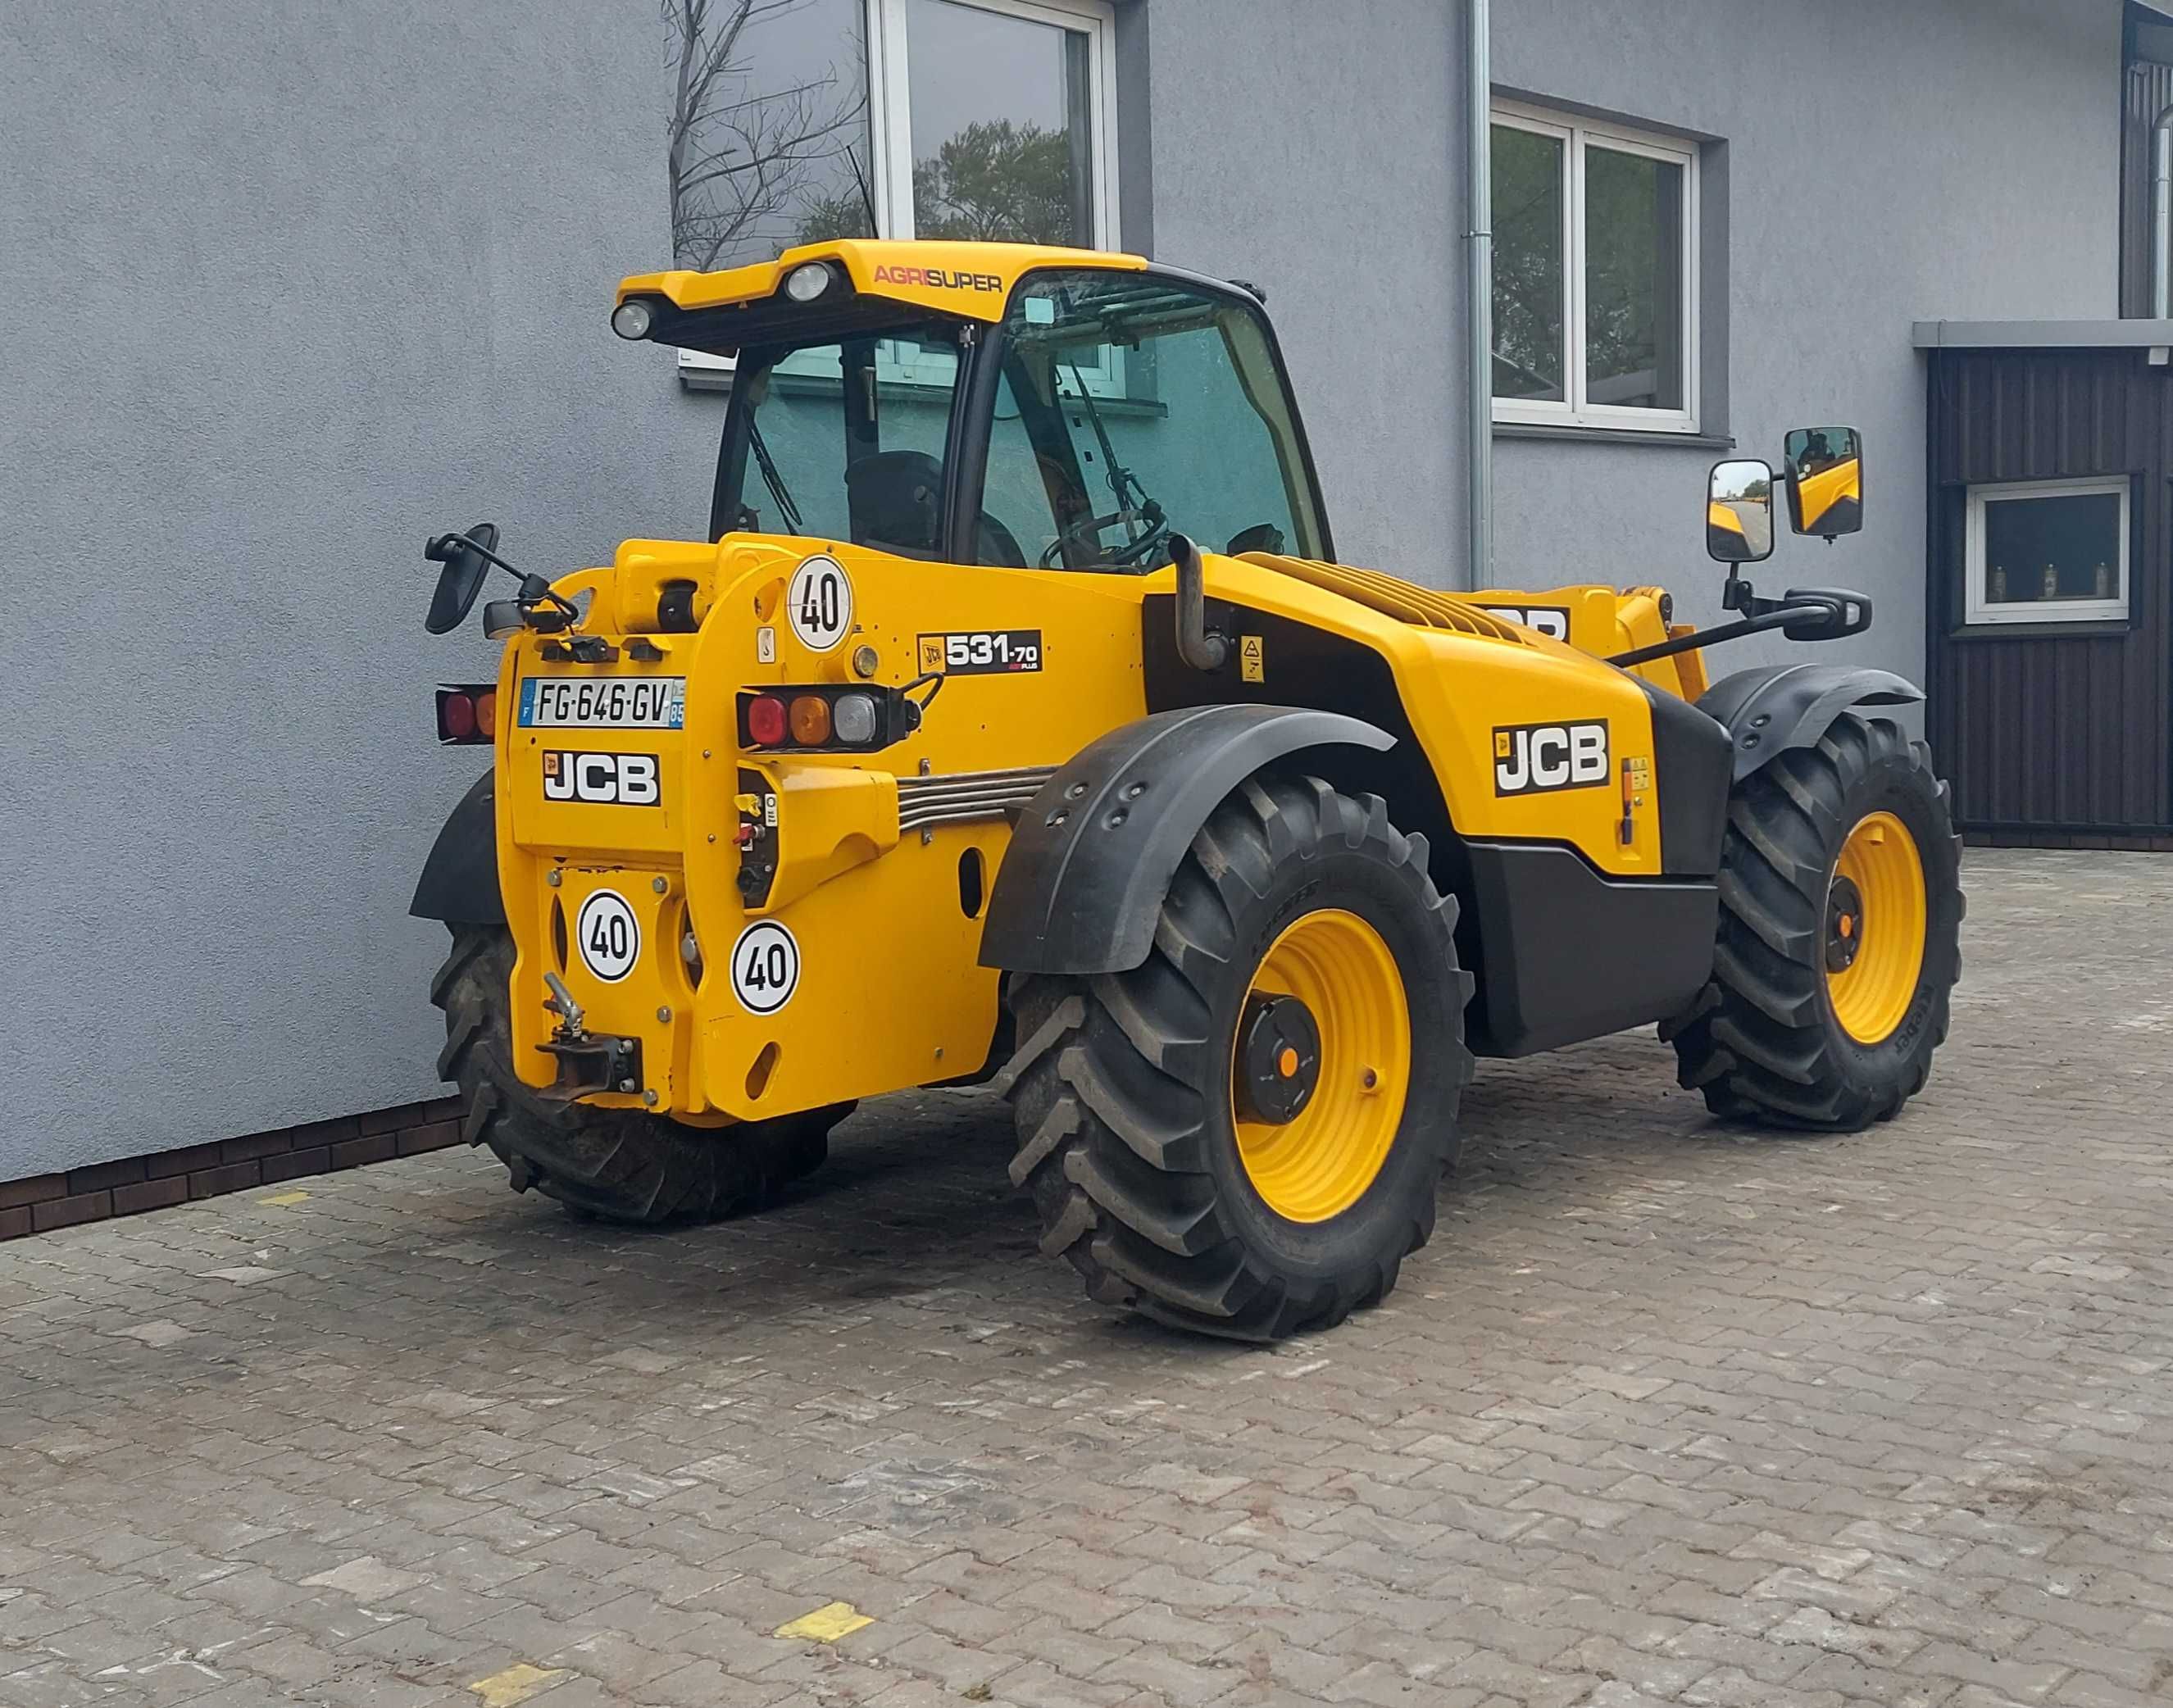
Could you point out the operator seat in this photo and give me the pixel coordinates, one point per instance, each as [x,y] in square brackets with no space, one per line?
[893,498]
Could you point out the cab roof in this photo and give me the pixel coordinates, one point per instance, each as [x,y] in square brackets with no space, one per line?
[971,280]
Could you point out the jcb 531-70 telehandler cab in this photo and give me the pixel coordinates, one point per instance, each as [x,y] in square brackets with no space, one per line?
[1017,721]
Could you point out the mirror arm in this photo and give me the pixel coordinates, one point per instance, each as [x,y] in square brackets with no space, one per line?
[1807,613]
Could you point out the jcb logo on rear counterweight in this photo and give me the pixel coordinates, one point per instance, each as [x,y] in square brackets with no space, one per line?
[1538,758]
[618,779]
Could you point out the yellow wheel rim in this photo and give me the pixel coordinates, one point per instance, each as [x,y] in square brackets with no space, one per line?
[1318,1164]
[1876,914]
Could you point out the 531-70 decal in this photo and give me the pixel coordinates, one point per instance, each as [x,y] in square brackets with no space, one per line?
[981,652]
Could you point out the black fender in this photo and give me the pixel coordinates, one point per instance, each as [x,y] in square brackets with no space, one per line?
[1082,883]
[1770,709]
[459,883]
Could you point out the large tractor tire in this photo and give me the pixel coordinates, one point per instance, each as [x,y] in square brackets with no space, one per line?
[1840,926]
[615,1165]
[1244,1136]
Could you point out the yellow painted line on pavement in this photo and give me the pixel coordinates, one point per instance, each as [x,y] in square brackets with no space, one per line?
[826,1623]
[283,1198]
[516,1683]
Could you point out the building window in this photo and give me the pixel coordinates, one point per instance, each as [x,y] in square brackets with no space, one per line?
[1595,275]
[995,120]
[792,120]
[2051,552]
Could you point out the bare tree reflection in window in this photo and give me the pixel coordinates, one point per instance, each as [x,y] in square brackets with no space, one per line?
[767,127]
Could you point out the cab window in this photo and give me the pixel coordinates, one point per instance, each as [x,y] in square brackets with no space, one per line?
[842,441]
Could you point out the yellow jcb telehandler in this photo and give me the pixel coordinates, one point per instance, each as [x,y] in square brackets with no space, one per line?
[1016,720]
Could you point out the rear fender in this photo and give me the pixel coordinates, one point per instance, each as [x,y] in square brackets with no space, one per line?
[459,883]
[1083,879]
[1770,709]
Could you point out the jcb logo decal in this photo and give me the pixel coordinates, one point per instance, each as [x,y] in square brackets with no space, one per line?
[612,779]
[1549,620]
[1539,758]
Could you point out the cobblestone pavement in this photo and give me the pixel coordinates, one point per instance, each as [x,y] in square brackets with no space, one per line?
[1666,1412]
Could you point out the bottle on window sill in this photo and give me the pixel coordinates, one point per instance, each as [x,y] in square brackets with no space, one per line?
[1998,583]
[2050,586]
[2104,580]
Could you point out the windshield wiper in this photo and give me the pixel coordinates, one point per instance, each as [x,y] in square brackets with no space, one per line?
[1124,485]
[788,512]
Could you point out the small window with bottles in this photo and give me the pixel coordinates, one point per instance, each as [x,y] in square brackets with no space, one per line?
[2047,552]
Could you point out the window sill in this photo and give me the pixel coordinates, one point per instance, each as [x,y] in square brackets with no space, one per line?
[2092,628]
[1613,435]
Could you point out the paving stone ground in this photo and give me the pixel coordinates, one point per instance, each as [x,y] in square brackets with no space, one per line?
[1667,1413]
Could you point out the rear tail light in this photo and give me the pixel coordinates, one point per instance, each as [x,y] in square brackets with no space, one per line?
[826,719]
[468,714]
[811,720]
[766,723]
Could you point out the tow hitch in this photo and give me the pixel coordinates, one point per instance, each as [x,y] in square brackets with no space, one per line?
[587,1061]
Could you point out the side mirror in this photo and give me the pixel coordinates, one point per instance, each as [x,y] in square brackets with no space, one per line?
[461,580]
[1739,512]
[1825,480]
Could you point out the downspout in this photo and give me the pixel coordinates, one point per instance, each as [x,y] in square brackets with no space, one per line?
[2161,215]
[1479,239]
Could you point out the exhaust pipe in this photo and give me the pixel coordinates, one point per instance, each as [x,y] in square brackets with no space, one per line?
[1196,644]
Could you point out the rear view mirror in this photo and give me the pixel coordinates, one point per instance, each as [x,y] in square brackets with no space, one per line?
[462,578]
[1825,480]
[1739,512]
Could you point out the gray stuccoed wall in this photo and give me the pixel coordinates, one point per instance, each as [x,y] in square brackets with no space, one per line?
[289,287]
[1317,150]
[292,286]
[1979,176]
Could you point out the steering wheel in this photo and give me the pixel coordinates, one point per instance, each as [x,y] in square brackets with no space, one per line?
[998,547]
[1085,526]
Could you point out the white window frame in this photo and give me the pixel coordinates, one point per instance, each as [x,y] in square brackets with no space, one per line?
[1577,411]
[890,123]
[890,97]
[1977,609]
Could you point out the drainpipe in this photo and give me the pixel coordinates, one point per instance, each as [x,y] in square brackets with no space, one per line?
[1479,408]
[2161,215]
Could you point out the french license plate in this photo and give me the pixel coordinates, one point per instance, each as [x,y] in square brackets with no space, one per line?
[603,703]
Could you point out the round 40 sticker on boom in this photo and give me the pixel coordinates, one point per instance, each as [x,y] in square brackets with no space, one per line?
[765,967]
[819,603]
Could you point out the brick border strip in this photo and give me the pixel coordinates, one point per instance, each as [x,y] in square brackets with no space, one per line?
[138,1183]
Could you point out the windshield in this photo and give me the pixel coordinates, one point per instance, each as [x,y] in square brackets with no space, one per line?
[1127,407]
[845,441]
[1133,406]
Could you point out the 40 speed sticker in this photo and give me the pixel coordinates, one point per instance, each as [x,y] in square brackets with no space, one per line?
[765,967]
[608,936]
[819,601]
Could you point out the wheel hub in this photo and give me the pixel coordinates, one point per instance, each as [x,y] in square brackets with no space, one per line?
[1278,1060]
[1844,924]
[1878,918]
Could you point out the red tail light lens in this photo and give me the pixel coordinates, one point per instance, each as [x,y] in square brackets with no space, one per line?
[486,715]
[456,717]
[766,720]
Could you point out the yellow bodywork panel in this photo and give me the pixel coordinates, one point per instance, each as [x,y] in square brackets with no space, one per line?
[974,279]
[889,993]
[857,972]
[1604,621]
